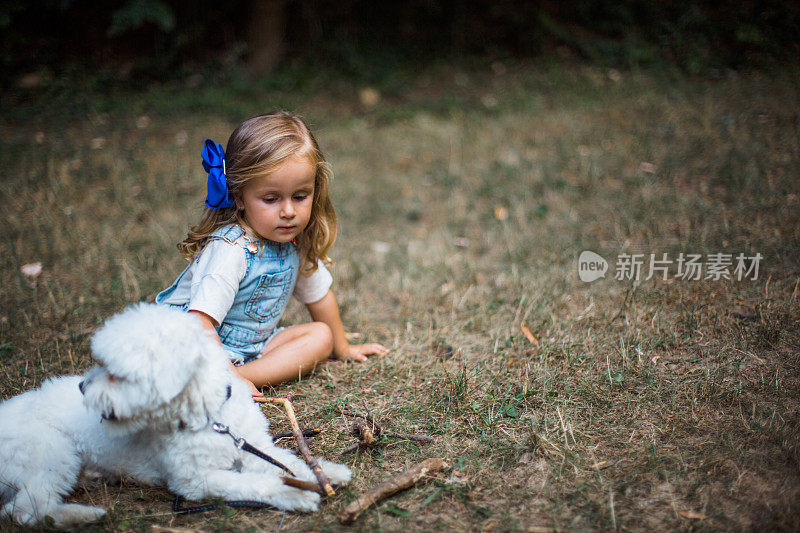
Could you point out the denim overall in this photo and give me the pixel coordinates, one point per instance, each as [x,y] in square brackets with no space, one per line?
[262,297]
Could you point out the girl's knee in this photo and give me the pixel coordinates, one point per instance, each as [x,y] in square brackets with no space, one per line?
[323,336]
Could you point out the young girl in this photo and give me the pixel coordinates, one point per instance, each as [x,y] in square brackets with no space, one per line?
[267,229]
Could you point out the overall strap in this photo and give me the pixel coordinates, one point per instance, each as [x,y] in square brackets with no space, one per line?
[235,234]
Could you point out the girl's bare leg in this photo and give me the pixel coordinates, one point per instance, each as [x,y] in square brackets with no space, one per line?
[293,352]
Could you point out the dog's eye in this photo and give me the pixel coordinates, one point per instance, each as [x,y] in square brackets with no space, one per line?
[112,378]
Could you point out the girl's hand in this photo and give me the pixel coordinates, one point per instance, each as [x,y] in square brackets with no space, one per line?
[254,392]
[326,310]
[359,352]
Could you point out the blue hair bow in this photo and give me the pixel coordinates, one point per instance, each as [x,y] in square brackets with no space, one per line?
[218,196]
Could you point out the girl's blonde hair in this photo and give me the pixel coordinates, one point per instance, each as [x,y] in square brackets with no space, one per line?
[257,147]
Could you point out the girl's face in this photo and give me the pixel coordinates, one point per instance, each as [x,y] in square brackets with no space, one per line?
[277,206]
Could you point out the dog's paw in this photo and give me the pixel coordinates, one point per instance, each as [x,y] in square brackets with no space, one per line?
[63,515]
[337,473]
[297,500]
[72,514]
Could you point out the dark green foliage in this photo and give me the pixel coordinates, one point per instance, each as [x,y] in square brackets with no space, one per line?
[166,39]
[136,13]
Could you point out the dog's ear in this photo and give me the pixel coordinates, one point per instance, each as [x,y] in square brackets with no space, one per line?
[197,361]
[154,343]
[172,372]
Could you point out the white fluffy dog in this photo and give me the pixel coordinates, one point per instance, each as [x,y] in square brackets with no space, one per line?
[146,411]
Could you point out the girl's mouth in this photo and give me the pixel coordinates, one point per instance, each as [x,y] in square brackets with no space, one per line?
[285,228]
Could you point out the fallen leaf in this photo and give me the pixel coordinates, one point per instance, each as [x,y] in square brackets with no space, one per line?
[31,269]
[500,212]
[692,515]
[648,168]
[529,334]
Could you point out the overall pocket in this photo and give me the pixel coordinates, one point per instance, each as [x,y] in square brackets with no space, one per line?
[269,298]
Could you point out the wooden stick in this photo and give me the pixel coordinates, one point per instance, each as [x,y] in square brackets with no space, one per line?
[389,487]
[368,417]
[303,485]
[351,448]
[306,433]
[367,435]
[324,484]
[369,414]
[164,529]
[365,432]
[347,413]
[406,436]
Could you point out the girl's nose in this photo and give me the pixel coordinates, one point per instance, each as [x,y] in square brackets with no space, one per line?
[287,209]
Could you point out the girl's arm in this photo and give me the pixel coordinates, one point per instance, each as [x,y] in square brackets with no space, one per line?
[327,310]
[208,324]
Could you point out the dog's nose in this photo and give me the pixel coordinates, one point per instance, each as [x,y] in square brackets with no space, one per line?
[80,386]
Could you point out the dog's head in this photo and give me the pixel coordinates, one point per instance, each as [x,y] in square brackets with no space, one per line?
[157,367]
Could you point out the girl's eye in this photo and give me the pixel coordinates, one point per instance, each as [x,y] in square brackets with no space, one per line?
[270,199]
[300,197]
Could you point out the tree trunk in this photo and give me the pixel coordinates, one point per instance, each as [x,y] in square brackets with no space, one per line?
[265,31]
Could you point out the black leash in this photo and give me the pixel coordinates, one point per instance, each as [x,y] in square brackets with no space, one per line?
[176,506]
[247,447]
[244,446]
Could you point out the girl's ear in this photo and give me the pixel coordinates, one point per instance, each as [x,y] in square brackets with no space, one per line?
[237,199]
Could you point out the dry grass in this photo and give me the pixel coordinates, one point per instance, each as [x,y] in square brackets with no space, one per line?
[642,404]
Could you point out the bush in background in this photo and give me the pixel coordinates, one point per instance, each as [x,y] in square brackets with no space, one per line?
[158,39]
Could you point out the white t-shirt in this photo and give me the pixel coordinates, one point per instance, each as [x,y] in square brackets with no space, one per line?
[212,280]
